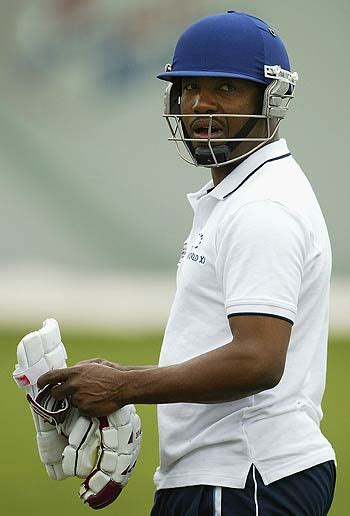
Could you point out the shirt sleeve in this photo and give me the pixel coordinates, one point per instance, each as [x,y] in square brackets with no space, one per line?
[261,252]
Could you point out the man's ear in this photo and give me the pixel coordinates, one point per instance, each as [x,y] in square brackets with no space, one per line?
[260,98]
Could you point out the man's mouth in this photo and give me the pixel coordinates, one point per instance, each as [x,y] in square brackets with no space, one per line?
[205,128]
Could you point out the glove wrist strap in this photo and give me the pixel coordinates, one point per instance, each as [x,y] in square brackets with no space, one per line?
[51,410]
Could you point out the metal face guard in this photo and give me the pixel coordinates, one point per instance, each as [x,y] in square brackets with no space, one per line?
[277,97]
[184,144]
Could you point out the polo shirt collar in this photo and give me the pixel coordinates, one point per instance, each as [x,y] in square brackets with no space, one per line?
[271,152]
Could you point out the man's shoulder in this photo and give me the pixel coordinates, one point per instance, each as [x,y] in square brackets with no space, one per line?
[265,217]
[279,187]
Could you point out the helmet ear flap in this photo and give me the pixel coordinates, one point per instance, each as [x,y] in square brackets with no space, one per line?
[276,93]
[279,92]
[280,88]
[172,98]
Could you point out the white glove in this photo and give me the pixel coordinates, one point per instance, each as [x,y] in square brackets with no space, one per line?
[37,353]
[103,449]
[120,442]
[81,435]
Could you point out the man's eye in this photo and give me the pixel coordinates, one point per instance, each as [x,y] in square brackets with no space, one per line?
[189,87]
[227,87]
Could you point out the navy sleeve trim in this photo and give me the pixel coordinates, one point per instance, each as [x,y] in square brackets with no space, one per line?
[264,315]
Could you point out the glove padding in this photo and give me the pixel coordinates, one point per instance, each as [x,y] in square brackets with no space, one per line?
[37,353]
[120,441]
[103,449]
[81,433]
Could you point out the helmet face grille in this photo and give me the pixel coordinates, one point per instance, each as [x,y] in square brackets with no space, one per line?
[275,106]
[210,158]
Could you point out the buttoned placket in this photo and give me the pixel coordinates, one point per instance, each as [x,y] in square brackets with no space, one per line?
[202,213]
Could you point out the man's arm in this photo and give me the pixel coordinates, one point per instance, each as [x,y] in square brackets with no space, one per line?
[252,362]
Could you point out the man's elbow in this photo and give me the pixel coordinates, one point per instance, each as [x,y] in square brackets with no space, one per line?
[269,377]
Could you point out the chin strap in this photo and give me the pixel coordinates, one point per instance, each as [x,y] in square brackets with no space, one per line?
[222,153]
[204,156]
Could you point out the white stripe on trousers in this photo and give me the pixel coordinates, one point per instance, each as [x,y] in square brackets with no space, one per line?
[255,493]
[218,496]
[217,501]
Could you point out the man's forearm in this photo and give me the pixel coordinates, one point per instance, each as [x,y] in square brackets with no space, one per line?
[227,373]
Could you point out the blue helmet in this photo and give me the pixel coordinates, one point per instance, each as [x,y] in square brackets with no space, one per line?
[234,45]
[231,44]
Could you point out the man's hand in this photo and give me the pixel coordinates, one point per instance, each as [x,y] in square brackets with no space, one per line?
[115,365]
[95,389]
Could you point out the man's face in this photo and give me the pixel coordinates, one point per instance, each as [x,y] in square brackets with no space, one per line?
[217,95]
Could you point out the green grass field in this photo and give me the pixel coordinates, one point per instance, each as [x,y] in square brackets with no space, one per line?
[26,489]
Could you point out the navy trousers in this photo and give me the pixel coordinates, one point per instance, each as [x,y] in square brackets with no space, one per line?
[307,493]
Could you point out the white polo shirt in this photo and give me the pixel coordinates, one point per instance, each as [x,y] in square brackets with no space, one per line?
[258,245]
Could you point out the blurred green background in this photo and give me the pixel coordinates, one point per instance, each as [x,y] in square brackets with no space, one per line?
[25,485]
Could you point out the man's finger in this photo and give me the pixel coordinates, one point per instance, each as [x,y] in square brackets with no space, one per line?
[64,390]
[91,361]
[55,376]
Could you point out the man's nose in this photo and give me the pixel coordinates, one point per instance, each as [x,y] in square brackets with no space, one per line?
[204,102]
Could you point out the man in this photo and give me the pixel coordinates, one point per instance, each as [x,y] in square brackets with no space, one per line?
[242,367]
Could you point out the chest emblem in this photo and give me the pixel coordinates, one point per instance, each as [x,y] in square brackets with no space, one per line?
[193,255]
[198,241]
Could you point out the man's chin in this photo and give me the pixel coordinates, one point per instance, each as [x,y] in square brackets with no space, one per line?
[204,155]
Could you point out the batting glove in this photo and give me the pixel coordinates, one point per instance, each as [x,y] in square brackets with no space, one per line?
[102,449]
[37,353]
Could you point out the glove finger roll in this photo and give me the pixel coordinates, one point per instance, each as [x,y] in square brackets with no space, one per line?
[80,456]
[120,435]
[103,497]
[37,353]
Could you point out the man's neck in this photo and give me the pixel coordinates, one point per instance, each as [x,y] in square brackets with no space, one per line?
[219,173]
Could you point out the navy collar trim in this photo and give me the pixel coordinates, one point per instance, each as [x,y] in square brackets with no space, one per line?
[255,170]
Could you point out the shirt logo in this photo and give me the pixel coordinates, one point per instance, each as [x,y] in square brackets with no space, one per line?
[193,255]
[196,258]
[198,242]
